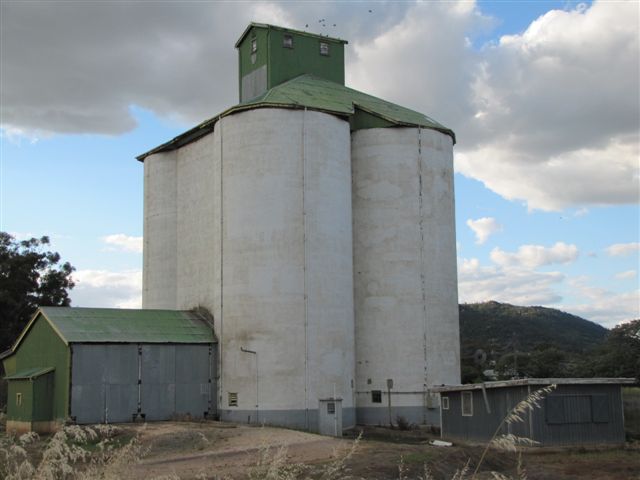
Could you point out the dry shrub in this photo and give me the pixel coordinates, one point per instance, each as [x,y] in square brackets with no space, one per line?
[72,453]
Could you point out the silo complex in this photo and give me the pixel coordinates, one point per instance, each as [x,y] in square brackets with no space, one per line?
[316,224]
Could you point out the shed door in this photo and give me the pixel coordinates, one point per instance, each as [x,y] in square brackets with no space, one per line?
[104,383]
[158,373]
[192,380]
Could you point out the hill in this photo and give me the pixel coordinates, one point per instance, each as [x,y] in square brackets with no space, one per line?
[525,341]
[493,324]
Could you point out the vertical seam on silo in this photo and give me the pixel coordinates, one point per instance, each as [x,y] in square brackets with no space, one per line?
[304,247]
[422,266]
[221,375]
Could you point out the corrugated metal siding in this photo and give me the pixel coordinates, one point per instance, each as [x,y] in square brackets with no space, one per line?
[566,418]
[174,380]
[581,405]
[482,425]
[41,347]
[104,382]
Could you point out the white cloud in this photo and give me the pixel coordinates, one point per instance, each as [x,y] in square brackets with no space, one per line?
[124,242]
[483,228]
[478,283]
[601,305]
[621,249]
[103,288]
[521,286]
[626,275]
[532,256]
[537,114]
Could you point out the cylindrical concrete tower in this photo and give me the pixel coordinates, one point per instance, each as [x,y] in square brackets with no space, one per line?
[160,231]
[406,305]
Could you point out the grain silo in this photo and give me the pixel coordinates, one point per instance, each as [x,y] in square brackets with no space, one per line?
[250,215]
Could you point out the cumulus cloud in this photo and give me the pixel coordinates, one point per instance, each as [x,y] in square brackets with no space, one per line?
[548,116]
[526,286]
[622,249]
[103,288]
[78,67]
[626,275]
[601,305]
[532,256]
[483,228]
[127,243]
[477,283]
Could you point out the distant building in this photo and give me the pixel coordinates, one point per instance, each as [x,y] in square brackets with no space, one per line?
[579,411]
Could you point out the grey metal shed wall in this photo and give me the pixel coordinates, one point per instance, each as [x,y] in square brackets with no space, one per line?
[174,380]
[482,424]
[104,382]
[575,431]
[580,406]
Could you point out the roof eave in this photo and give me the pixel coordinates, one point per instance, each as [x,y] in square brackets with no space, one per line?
[284,29]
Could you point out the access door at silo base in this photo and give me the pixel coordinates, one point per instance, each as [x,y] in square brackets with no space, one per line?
[330,417]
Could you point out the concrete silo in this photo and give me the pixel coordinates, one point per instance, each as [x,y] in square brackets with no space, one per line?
[406,305]
[250,215]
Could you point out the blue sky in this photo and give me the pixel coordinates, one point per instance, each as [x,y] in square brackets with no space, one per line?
[542,95]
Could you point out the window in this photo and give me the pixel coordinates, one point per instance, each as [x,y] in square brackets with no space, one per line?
[324,49]
[233,399]
[18,399]
[331,408]
[376,396]
[444,401]
[467,404]
[287,41]
[368,381]
[254,45]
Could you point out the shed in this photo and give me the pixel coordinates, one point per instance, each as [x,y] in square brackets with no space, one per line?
[93,365]
[578,411]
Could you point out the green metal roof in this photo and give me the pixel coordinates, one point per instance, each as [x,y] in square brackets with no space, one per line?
[30,373]
[116,325]
[308,91]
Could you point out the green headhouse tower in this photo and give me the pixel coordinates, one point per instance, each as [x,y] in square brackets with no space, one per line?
[271,55]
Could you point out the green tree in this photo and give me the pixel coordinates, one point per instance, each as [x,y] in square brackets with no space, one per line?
[30,276]
[619,356]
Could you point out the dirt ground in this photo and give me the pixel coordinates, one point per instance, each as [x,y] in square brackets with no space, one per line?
[219,450]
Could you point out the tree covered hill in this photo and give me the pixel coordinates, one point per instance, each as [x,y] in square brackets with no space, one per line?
[541,342]
[493,325]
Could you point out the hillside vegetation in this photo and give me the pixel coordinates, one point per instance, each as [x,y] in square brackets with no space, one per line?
[513,341]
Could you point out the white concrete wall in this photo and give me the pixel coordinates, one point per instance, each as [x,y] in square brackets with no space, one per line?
[160,231]
[197,224]
[287,273]
[405,286]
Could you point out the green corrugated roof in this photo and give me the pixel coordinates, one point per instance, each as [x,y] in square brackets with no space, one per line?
[110,325]
[30,373]
[308,91]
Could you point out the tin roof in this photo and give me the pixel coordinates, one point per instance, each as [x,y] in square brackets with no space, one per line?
[533,381]
[30,373]
[314,93]
[283,29]
[118,325]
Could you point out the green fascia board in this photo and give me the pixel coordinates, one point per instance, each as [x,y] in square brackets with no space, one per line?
[30,373]
[313,93]
[288,30]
